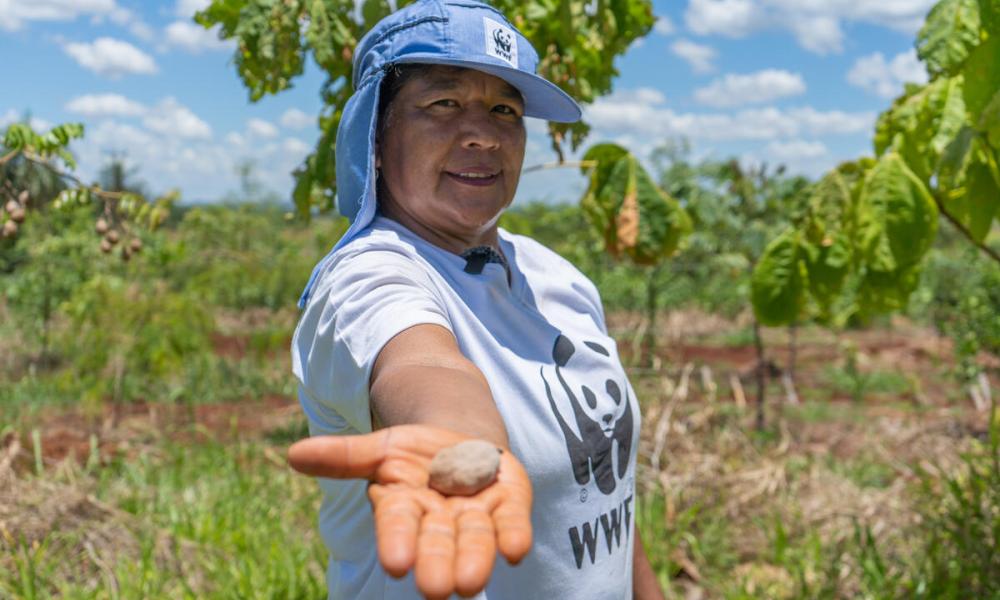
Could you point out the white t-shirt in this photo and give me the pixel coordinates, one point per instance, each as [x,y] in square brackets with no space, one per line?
[571,415]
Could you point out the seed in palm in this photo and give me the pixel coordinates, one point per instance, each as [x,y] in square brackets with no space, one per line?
[465,468]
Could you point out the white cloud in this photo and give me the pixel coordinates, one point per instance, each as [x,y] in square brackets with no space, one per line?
[752,88]
[12,116]
[110,57]
[626,114]
[172,119]
[733,18]
[105,105]
[664,26]
[795,150]
[296,147]
[294,118]
[194,38]
[185,9]
[132,22]
[698,56]
[886,79]
[819,34]
[816,24]
[15,13]
[261,128]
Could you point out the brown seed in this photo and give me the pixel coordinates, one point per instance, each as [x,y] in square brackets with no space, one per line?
[9,229]
[112,236]
[135,244]
[465,468]
[23,197]
[105,246]
[17,215]
[10,206]
[101,227]
[126,253]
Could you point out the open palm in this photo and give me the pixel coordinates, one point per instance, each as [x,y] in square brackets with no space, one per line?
[450,541]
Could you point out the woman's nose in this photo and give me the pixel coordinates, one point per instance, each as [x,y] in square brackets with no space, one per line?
[479,129]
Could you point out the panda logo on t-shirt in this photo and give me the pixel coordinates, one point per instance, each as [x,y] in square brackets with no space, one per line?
[604,419]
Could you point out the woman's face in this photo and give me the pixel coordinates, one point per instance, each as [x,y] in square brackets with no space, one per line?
[451,153]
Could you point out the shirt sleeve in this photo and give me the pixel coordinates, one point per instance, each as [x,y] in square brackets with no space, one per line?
[359,305]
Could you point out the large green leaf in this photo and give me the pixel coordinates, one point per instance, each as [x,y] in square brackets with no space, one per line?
[989,120]
[951,30]
[980,203]
[897,204]
[635,217]
[922,123]
[982,74]
[777,286]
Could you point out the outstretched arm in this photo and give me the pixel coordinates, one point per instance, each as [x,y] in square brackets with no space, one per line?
[426,396]
[421,377]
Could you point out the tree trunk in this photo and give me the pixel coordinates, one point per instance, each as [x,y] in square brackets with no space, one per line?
[793,331]
[649,339]
[761,373]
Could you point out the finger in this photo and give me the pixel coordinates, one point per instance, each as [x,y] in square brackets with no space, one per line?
[476,552]
[397,522]
[339,457]
[512,520]
[434,571]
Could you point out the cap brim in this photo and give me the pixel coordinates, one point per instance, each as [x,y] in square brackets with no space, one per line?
[542,99]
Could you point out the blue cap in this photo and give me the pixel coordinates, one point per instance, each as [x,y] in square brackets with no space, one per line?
[460,33]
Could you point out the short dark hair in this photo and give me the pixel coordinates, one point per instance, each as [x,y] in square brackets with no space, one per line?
[396,76]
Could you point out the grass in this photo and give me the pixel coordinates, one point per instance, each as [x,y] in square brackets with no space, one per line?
[209,521]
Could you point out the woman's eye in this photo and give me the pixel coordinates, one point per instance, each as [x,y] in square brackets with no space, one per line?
[445,102]
[504,109]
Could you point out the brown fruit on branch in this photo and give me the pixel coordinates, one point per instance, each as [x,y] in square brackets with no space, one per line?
[135,245]
[112,236]
[9,229]
[101,226]
[465,468]
[23,197]
[126,253]
[10,206]
[105,246]
[17,215]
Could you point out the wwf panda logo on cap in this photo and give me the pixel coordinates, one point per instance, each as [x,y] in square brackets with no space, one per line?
[500,41]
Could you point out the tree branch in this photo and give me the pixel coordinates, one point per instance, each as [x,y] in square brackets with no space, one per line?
[558,165]
[993,254]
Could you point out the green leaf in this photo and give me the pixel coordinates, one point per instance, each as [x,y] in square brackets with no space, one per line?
[922,123]
[982,74]
[828,265]
[989,120]
[898,204]
[955,159]
[632,214]
[951,30]
[979,205]
[779,279]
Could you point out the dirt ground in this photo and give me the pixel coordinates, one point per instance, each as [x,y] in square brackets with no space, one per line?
[697,445]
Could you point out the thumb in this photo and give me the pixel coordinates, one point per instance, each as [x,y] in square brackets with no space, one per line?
[339,457]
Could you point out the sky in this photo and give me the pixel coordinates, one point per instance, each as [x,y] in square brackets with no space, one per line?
[792,82]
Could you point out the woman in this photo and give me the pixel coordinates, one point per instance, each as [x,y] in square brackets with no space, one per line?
[427,325]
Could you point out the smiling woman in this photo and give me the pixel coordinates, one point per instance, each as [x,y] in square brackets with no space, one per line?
[450,154]
[427,325]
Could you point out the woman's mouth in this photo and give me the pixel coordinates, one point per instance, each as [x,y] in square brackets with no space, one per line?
[475,178]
